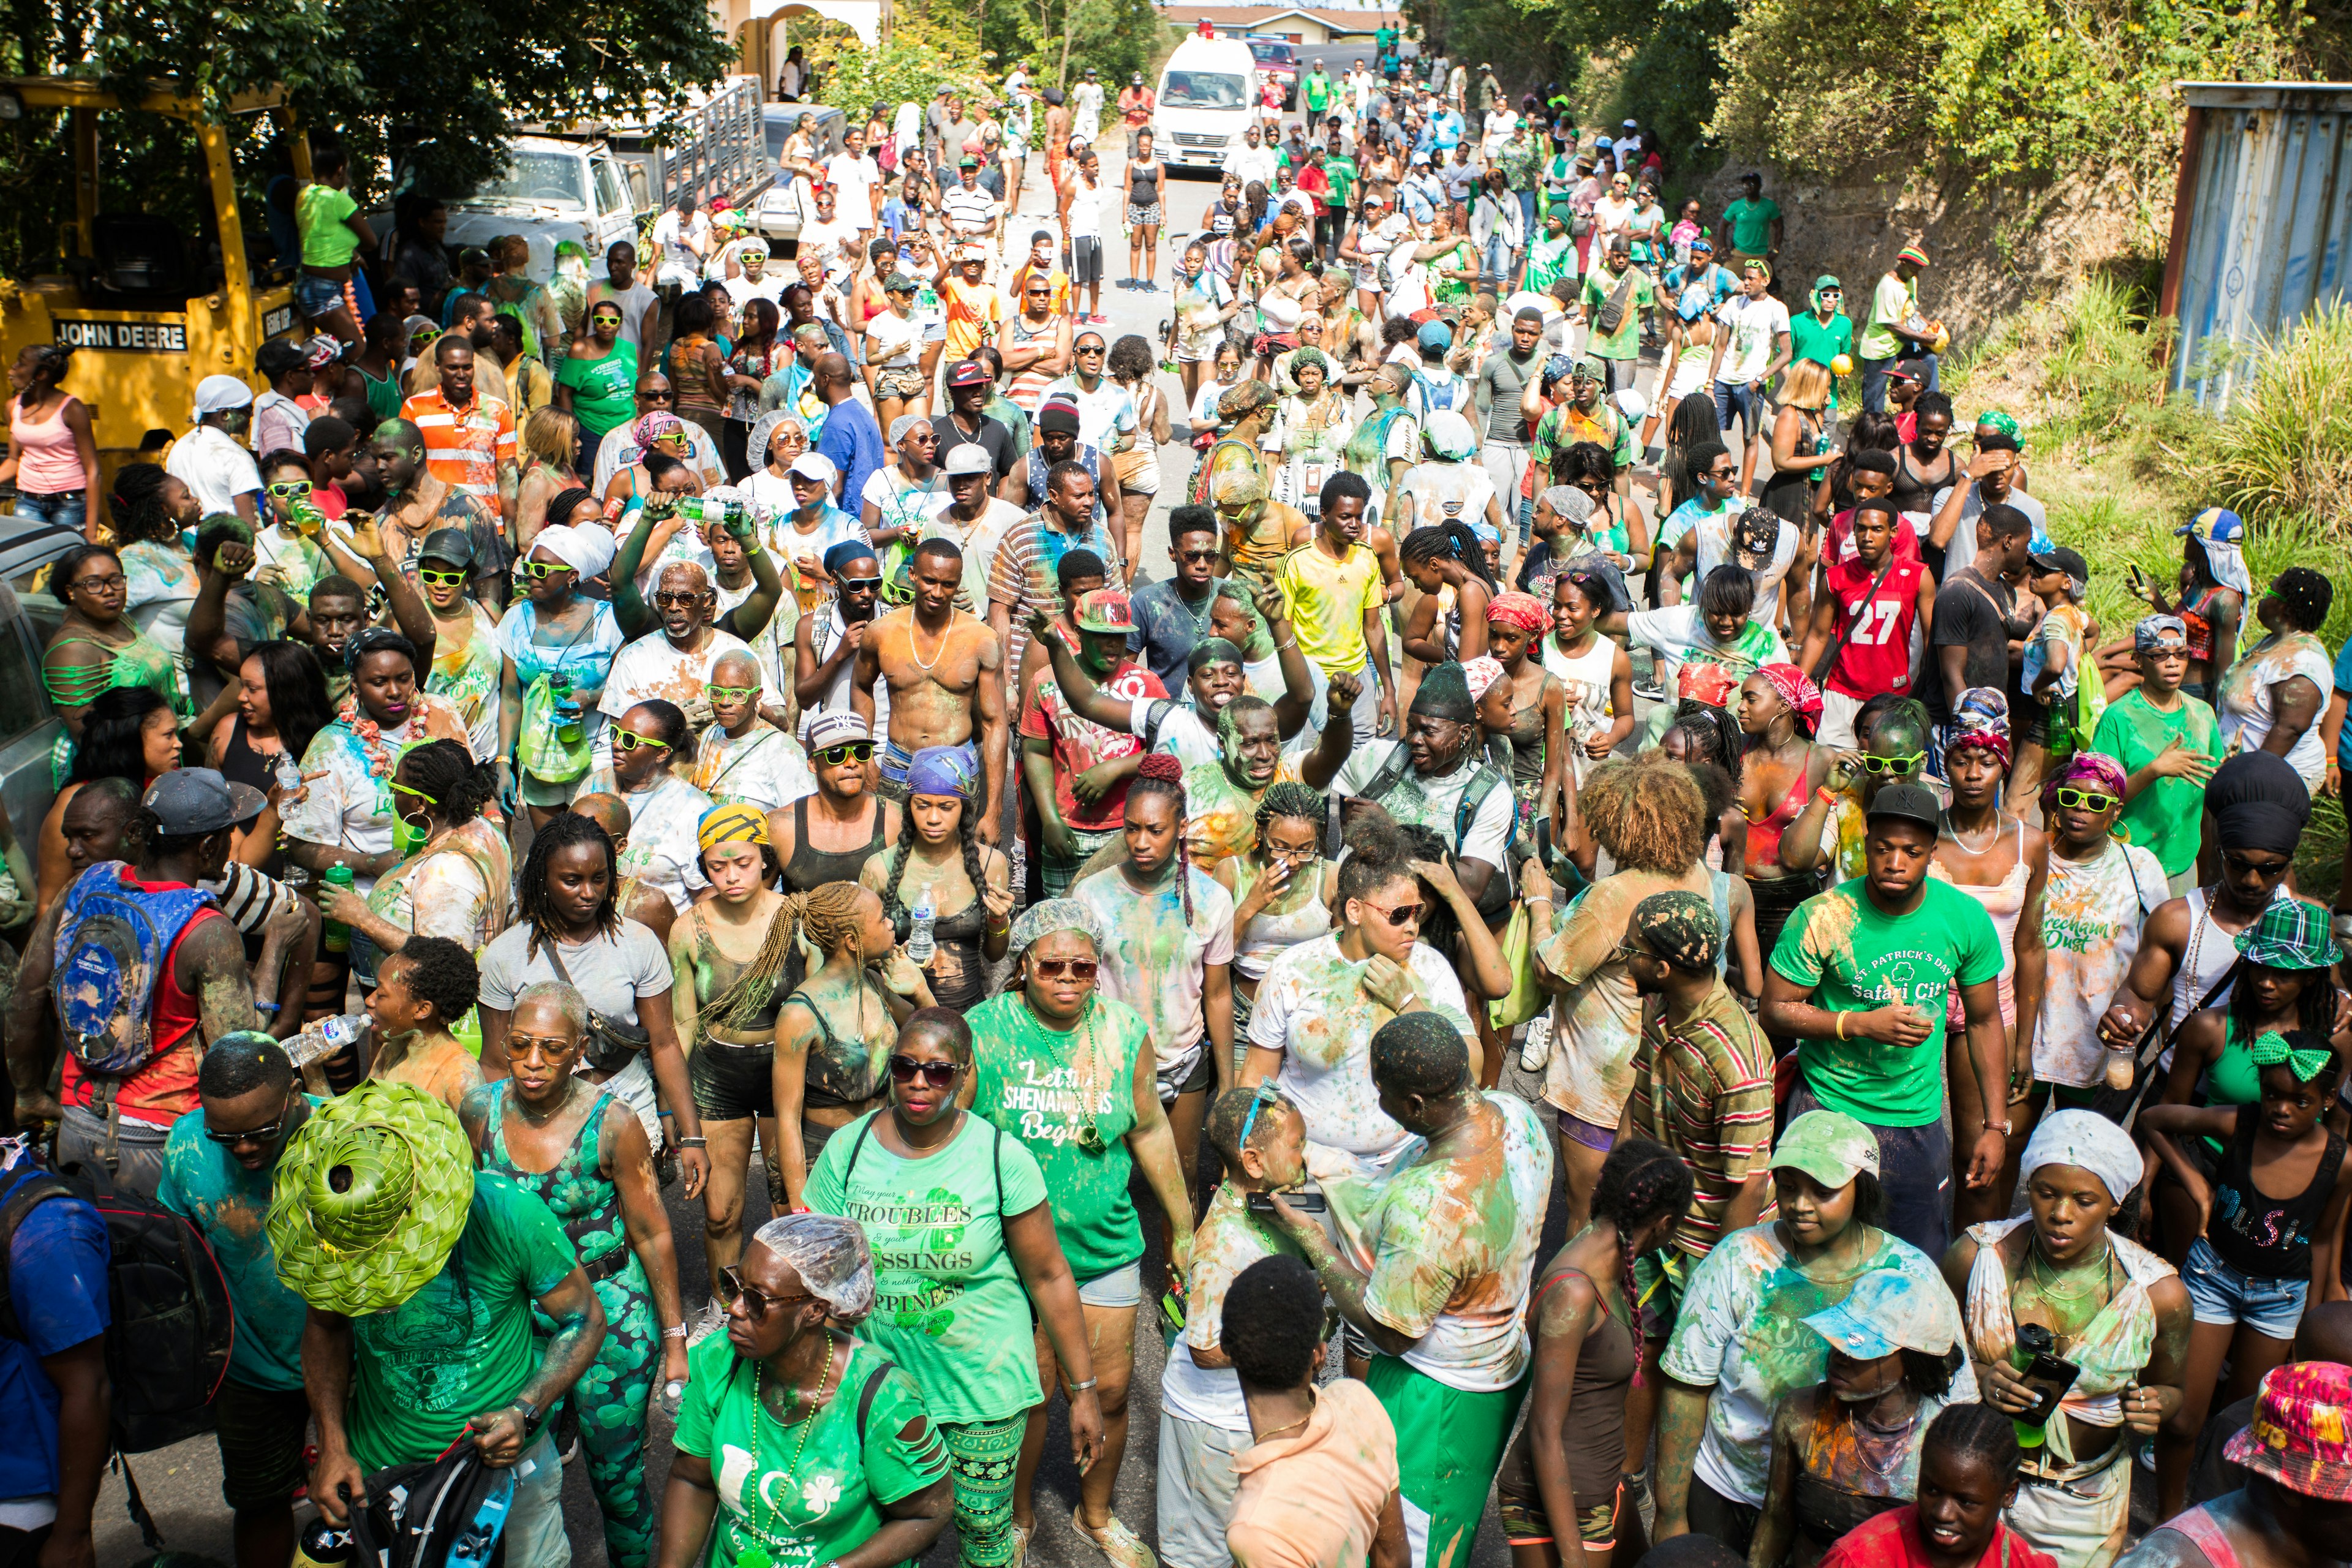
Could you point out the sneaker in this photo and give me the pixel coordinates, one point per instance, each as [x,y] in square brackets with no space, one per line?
[1534,1049]
[1650,689]
[1099,320]
[1119,1544]
[705,1323]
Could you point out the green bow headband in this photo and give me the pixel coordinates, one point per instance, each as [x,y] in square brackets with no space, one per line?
[2272,1049]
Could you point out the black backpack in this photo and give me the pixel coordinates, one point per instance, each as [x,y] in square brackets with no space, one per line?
[167,1346]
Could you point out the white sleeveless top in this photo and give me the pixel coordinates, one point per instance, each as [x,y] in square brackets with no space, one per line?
[1269,933]
[1586,677]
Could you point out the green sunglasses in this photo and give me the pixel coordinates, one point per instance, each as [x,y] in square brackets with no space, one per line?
[2085,800]
[538,570]
[289,489]
[848,751]
[630,740]
[1893,767]
[730,693]
[441,579]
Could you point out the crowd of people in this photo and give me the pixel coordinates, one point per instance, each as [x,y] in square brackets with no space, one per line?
[700,763]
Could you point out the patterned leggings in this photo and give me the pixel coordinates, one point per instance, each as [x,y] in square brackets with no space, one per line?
[612,1397]
[984,1456]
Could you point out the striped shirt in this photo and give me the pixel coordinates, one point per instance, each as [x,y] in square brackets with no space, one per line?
[464,450]
[1705,1090]
[1023,573]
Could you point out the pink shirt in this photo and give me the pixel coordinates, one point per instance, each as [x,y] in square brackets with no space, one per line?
[50,465]
[1314,1501]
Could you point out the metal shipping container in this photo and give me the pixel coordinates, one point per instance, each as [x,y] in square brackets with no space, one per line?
[2260,220]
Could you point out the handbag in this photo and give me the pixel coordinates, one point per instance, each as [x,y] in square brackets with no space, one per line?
[1611,314]
[611,1043]
[1527,997]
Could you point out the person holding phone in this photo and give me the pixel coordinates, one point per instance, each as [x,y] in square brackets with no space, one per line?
[2116,1323]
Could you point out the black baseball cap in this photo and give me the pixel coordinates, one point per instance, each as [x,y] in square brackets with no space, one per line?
[1909,801]
[2062,558]
[449,544]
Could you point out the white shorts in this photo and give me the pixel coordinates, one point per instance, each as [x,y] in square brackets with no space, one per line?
[1119,1287]
[1836,729]
[1690,376]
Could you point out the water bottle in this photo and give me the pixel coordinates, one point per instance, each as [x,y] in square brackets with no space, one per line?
[324,1545]
[327,1037]
[919,945]
[289,772]
[334,936]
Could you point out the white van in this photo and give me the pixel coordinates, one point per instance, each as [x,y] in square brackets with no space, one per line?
[1207,96]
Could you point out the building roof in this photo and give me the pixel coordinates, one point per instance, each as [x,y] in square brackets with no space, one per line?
[1366,20]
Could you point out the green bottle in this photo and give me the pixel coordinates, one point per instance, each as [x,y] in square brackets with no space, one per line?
[334,935]
[2033,1342]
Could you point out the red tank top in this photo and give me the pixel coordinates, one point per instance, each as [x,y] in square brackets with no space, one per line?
[165,1090]
[1877,654]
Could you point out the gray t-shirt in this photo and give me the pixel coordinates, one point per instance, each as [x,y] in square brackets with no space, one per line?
[611,972]
[1505,381]
[1961,548]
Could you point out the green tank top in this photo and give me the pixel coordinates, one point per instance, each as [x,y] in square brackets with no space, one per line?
[2233,1079]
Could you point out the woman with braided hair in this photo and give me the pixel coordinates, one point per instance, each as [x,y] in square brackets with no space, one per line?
[731,1068]
[1168,948]
[569,928]
[1282,891]
[1560,1491]
[970,883]
[835,1029]
[1441,556]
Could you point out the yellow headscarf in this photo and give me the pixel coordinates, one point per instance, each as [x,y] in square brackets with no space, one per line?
[735,824]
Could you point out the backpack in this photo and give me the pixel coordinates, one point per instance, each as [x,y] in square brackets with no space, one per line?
[113,945]
[1484,782]
[170,1327]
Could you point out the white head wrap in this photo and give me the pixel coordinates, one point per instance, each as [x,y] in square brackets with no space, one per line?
[1481,673]
[2090,1141]
[587,551]
[2229,564]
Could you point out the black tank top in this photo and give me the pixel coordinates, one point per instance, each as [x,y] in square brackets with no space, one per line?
[810,868]
[1144,190]
[2267,1237]
[1914,489]
[240,763]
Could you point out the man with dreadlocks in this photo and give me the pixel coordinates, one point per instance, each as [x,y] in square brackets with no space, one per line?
[1440,1285]
[1168,948]
[836,1028]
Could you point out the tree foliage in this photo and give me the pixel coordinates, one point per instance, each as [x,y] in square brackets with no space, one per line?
[927,49]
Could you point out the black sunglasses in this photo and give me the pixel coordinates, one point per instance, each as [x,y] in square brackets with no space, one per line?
[848,751]
[939,1075]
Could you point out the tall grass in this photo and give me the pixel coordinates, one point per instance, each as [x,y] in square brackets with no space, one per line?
[2285,447]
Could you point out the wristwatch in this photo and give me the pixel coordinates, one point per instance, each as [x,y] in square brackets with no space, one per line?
[529,1411]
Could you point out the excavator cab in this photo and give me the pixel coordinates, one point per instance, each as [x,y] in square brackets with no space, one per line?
[149,306]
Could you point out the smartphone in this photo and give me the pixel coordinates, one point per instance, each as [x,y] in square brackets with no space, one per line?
[1305,1203]
[2141,583]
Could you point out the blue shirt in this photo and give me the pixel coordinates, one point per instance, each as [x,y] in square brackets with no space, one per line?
[854,441]
[1445,130]
[230,1206]
[57,1287]
[2343,684]
[898,217]
[1166,628]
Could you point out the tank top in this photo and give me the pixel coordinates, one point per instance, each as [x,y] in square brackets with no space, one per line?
[1085,209]
[2004,900]
[721,971]
[1143,189]
[1764,838]
[1527,741]
[1594,1431]
[692,378]
[51,465]
[2210,952]
[240,763]
[811,868]
[1030,384]
[1914,488]
[958,969]
[2258,1235]
[1877,656]
[1586,677]
[384,394]
[824,1086]
[583,1200]
[1271,931]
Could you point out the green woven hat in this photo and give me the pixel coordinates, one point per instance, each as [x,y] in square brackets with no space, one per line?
[2289,934]
[371,1195]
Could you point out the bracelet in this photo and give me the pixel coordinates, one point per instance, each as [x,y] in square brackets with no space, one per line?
[1077,1388]
[675,1332]
[662,1115]
[1826,795]
[529,1411]
[1291,643]
[265,1006]
[694,1143]
[1841,1024]
[1999,1127]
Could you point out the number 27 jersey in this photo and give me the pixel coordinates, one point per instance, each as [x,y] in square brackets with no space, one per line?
[1882,648]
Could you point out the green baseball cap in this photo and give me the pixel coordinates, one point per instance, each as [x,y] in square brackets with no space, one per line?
[1829,1146]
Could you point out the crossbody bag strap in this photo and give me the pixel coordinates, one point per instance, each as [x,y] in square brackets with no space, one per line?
[1829,660]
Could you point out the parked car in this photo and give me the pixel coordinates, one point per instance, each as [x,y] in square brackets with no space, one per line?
[29,615]
[1277,57]
[778,216]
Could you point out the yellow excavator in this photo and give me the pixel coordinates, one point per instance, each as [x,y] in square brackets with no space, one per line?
[149,310]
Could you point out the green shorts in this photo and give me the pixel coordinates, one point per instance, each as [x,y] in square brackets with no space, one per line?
[1444,1474]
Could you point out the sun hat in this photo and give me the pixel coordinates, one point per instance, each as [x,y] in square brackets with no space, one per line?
[370,1194]
[2289,934]
[1828,1145]
[1104,610]
[2298,1438]
[1891,1311]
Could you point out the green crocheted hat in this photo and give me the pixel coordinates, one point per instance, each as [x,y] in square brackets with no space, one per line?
[371,1195]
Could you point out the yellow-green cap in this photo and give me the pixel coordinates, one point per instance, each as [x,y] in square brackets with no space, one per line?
[1829,1146]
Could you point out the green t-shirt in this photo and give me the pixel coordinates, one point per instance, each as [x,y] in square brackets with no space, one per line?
[1860,958]
[1751,224]
[603,390]
[1318,92]
[1027,1084]
[1341,172]
[831,1500]
[2165,818]
[949,1304]
[464,1343]
[318,214]
[230,1206]
[1626,341]
[1810,338]
[1894,301]
[1455,291]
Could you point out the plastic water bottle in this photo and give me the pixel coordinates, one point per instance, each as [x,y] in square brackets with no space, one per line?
[334,936]
[327,1037]
[919,944]
[289,772]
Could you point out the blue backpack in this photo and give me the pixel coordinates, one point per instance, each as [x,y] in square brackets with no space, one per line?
[114,942]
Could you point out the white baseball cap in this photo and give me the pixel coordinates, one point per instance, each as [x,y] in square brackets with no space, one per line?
[815,466]
[219,393]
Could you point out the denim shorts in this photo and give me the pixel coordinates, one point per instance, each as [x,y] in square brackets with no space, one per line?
[1122,1287]
[317,297]
[70,509]
[2222,1295]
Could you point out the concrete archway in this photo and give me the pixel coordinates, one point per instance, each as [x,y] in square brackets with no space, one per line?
[754,24]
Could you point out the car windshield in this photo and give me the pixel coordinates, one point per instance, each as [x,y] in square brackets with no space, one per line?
[1272,52]
[1203,90]
[552,177]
